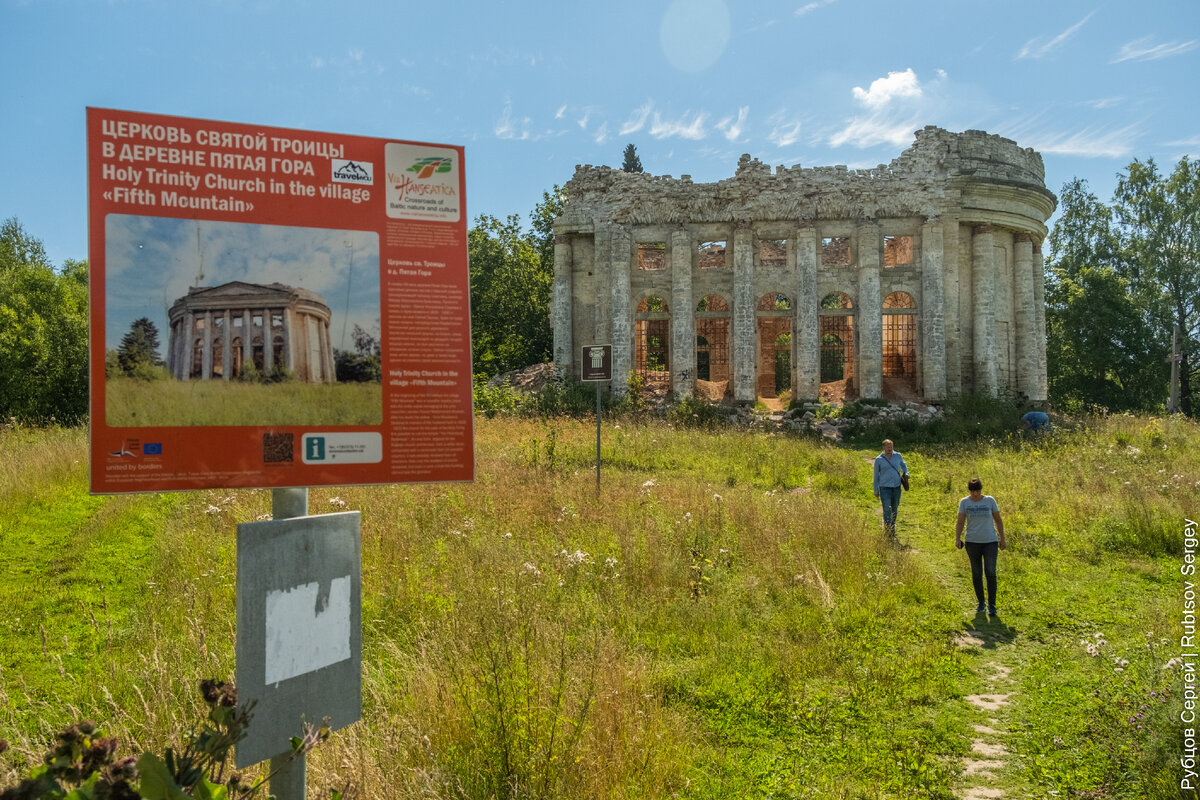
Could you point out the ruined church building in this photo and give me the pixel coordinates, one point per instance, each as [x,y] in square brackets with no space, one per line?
[918,279]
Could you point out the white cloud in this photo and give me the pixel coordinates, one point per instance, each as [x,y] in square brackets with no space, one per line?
[784,131]
[1188,143]
[870,131]
[638,120]
[896,107]
[683,128]
[807,7]
[601,135]
[1035,48]
[884,90]
[561,111]
[509,127]
[1105,102]
[733,128]
[1091,142]
[1143,50]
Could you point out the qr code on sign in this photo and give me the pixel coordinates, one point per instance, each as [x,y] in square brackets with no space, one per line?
[277,448]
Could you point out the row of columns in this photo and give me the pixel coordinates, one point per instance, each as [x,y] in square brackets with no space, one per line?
[183,341]
[615,318]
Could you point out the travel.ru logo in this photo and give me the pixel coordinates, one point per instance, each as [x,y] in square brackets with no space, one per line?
[345,171]
[425,167]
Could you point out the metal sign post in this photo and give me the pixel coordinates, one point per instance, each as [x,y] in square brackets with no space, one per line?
[299,642]
[596,366]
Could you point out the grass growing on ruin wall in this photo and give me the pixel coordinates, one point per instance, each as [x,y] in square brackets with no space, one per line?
[723,620]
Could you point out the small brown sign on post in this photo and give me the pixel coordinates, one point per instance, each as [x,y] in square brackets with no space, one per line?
[596,362]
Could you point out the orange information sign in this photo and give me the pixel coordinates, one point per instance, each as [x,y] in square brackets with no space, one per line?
[274,307]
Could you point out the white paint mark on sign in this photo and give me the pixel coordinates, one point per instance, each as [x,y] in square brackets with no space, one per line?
[305,630]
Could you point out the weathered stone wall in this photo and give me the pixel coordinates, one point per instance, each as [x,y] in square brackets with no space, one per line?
[971,205]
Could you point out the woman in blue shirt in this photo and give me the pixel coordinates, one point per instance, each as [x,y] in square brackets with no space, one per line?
[890,470]
[980,515]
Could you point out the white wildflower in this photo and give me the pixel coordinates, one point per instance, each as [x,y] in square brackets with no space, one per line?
[337,502]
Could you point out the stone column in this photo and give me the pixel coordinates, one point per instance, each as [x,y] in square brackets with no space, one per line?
[247,339]
[745,338]
[869,374]
[287,339]
[173,350]
[1025,321]
[189,325]
[226,345]
[983,269]
[622,318]
[268,343]
[683,315]
[560,307]
[330,375]
[1042,385]
[933,325]
[806,339]
[206,361]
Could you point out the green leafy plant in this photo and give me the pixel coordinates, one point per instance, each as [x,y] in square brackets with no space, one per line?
[83,764]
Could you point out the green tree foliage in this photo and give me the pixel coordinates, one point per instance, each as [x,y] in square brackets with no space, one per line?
[512,271]
[364,364]
[138,353]
[1159,217]
[43,332]
[1101,347]
[632,162]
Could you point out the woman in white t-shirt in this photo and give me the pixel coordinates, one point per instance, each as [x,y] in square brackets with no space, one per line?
[980,515]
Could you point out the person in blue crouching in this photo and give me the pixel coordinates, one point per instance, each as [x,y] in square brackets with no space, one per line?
[979,514]
[1036,421]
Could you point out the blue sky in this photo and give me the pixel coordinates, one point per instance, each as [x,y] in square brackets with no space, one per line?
[533,88]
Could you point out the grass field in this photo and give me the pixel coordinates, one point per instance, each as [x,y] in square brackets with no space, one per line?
[137,403]
[724,620]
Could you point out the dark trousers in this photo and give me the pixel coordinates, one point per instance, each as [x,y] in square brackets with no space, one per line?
[983,564]
[889,496]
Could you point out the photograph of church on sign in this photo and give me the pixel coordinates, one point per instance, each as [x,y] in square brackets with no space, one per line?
[216,331]
[917,279]
[232,324]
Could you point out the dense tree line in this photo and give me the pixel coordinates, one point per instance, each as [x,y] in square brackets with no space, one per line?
[1120,278]
[43,332]
[512,274]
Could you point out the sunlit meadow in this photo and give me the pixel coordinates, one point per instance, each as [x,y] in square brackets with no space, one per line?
[723,618]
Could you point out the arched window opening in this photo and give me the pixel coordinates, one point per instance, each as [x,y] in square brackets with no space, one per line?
[197,370]
[236,351]
[900,338]
[774,301]
[836,336]
[652,341]
[218,358]
[703,359]
[277,353]
[783,363]
[774,374]
[712,302]
[712,340]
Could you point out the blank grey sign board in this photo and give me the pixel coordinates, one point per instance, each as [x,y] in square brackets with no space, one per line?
[299,628]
